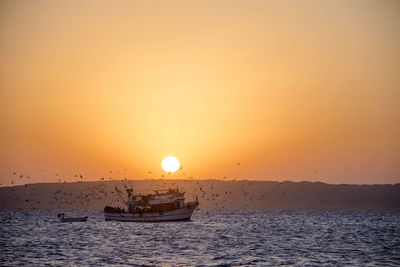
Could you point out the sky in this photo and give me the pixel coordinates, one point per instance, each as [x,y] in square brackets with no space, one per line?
[243,89]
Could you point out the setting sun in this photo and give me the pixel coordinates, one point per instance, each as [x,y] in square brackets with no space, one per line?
[170,164]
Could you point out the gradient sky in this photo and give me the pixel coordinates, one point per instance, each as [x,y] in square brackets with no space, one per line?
[293,90]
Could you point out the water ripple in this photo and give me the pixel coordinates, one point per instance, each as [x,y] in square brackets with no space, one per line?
[213,238]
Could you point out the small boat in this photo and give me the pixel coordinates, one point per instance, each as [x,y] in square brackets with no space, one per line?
[73,219]
[159,207]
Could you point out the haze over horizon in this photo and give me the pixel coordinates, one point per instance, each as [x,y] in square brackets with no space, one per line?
[266,90]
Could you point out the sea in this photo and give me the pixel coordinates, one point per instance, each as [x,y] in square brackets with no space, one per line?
[211,238]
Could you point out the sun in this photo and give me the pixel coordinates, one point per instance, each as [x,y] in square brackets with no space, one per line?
[170,164]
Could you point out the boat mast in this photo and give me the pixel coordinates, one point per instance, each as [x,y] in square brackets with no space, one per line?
[119,192]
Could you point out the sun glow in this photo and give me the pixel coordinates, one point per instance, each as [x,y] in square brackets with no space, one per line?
[170,164]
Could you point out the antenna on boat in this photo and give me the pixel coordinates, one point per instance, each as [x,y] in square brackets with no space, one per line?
[120,195]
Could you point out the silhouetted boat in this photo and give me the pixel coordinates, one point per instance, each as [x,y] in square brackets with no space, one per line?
[158,207]
[76,219]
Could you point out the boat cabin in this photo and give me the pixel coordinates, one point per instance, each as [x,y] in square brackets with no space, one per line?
[160,201]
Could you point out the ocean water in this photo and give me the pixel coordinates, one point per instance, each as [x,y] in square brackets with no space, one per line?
[214,238]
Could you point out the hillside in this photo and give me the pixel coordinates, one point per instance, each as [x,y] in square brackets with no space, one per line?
[212,194]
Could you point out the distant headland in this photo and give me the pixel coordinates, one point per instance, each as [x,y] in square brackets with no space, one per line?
[212,194]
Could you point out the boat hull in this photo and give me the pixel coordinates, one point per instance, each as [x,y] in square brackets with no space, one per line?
[182,214]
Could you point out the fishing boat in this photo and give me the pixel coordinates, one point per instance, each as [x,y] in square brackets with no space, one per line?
[167,205]
[62,218]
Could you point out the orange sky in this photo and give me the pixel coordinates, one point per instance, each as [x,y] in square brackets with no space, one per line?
[293,90]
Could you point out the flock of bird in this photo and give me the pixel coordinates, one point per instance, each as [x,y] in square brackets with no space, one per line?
[211,193]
